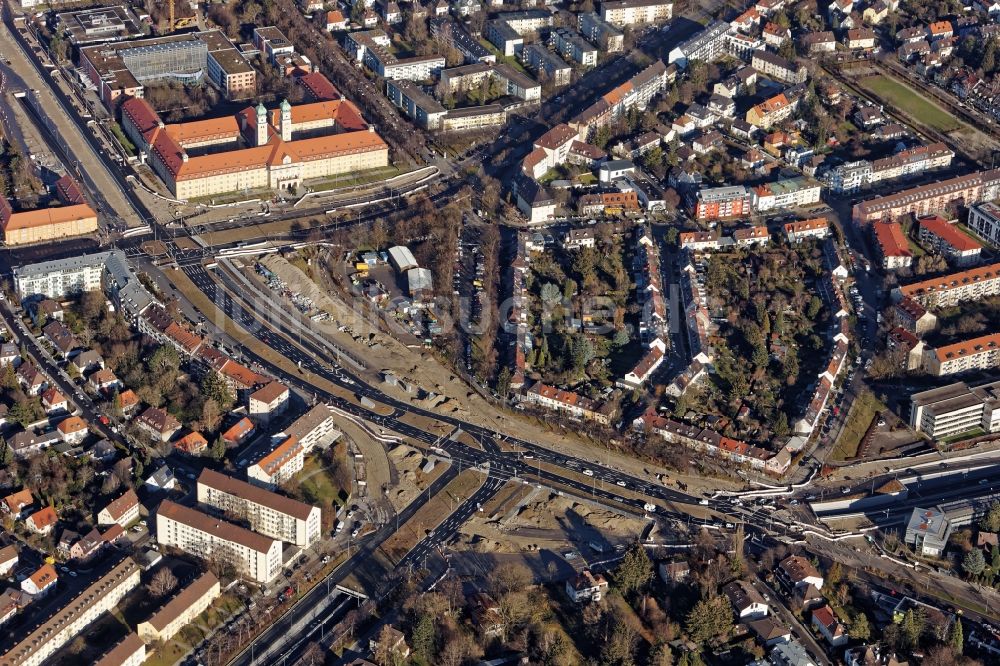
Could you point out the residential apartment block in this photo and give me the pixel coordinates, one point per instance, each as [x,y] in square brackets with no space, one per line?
[706,45]
[932,198]
[786,193]
[774,66]
[979,353]
[252,555]
[955,409]
[567,402]
[371,48]
[636,93]
[572,46]
[945,238]
[540,60]
[181,610]
[601,33]
[798,231]
[722,202]
[948,290]
[425,111]
[267,512]
[621,13]
[72,619]
[893,248]
[854,176]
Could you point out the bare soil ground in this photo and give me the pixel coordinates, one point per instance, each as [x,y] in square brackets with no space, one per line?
[410,479]
[524,518]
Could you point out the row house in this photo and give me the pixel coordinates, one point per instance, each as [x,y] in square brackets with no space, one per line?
[699,325]
[810,418]
[712,443]
[568,402]
[647,365]
[774,66]
[649,287]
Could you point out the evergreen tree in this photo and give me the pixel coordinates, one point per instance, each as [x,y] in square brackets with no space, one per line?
[860,630]
[423,637]
[218,449]
[6,454]
[956,638]
[635,570]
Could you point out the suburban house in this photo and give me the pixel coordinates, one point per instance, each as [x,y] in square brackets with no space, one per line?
[122,511]
[747,602]
[586,586]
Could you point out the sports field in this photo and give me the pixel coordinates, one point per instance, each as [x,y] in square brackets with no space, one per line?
[910,102]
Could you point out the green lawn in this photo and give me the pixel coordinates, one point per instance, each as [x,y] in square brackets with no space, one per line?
[319,486]
[968,434]
[863,411]
[910,102]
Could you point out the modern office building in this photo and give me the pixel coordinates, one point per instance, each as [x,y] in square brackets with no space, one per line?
[927,531]
[253,555]
[984,219]
[956,408]
[269,513]
[71,619]
[121,69]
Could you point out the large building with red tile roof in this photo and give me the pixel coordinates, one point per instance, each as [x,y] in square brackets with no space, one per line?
[948,290]
[946,238]
[892,245]
[975,354]
[264,151]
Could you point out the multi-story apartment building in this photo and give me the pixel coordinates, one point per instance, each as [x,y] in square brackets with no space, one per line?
[181,610]
[634,93]
[799,230]
[707,45]
[507,30]
[278,465]
[914,317]
[253,555]
[979,353]
[474,117]
[949,290]
[571,45]
[956,408]
[722,202]
[774,66]
[601,33]
[70,620]
[420,107]
[854,176]
[61,277]
[315,428]
[121,69]
[945,238]
[786,193]
[268,401]
[893,248]
[371,48]
[771,111]
[470,77]
[269,513]
[636,12]
[454,35]
[932,198]
[130,651]
[541,61]
[984,219]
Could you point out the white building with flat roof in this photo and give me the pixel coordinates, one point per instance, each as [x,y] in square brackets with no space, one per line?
[267,512]
[253,555]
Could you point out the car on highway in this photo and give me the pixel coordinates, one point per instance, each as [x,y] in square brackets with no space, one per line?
[621,483]
[588,472]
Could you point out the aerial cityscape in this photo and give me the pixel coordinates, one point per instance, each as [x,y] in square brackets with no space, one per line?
[464,333]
